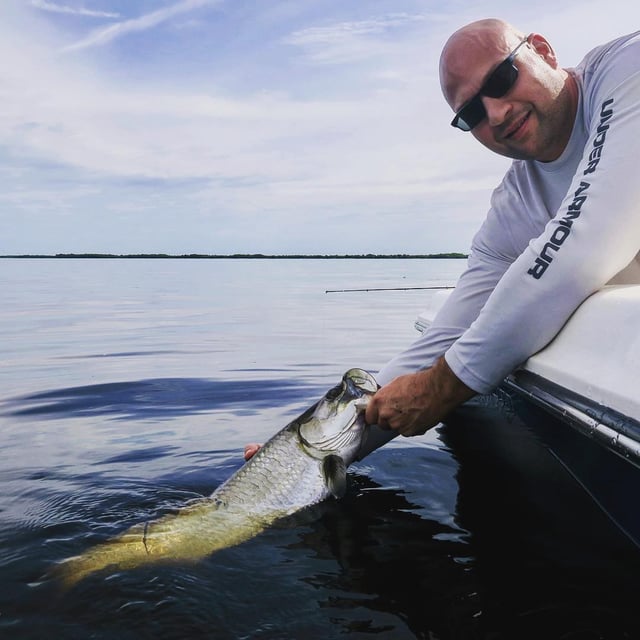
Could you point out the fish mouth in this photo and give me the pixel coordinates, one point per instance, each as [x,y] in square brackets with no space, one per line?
[337,422]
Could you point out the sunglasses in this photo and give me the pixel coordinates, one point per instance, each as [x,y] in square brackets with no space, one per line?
[499,82]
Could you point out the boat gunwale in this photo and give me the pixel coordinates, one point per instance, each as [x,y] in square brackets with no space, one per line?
[617,432]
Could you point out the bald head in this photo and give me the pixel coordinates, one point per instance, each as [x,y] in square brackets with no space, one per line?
[478,41]
[532,118]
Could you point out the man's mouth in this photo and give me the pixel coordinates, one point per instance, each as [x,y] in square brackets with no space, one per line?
[517,126]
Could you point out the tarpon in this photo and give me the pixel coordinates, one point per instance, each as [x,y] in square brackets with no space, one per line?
[302,465]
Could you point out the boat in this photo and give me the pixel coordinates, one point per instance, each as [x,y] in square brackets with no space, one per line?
[580,397]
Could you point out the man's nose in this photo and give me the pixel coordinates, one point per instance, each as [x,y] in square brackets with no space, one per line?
[497,110]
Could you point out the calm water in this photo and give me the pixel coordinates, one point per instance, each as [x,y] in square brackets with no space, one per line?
[129,387]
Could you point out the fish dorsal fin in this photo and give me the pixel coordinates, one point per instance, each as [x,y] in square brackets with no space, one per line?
[334,471]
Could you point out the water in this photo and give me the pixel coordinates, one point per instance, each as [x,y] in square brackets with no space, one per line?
[129,387]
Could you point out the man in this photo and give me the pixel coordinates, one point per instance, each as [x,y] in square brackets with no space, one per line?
[564,221]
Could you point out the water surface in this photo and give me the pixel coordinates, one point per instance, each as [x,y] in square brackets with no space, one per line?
[129,387]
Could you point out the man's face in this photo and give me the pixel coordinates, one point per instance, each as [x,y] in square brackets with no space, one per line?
[533,119]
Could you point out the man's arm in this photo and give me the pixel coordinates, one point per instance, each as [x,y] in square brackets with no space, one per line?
[484,270]
[455,316]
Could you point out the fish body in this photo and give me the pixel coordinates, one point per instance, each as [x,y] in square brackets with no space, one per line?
[300,466]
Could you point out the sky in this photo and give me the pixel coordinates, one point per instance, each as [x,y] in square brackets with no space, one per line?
[250,126]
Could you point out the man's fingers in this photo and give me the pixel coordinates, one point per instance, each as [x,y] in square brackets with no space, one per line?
[251,449]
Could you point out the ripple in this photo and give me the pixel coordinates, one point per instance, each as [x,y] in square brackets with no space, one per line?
[124,354]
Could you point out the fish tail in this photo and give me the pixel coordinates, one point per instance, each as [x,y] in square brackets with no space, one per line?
[125,552]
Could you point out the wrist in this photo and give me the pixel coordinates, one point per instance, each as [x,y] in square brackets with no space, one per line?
[448,388]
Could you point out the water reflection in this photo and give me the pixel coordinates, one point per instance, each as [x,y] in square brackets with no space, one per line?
[394,561]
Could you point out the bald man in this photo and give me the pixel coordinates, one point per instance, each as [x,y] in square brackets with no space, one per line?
[564,221]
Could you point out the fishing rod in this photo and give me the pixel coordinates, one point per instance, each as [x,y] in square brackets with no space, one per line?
[386,289]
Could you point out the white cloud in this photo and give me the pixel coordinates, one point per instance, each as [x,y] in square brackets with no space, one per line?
[103,36]
[342,30]
[78,11]
[350,41]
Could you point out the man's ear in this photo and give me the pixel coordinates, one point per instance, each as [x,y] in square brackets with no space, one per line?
[542,47]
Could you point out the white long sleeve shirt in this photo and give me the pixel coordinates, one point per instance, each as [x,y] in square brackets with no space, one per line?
[555,233]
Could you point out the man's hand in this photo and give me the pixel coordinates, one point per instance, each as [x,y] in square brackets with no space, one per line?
[250,450]
[415,402]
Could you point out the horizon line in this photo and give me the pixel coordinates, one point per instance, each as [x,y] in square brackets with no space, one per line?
[452,254]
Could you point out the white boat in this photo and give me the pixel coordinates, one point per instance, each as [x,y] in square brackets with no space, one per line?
[581,397]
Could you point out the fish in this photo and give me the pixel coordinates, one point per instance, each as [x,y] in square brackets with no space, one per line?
[302,465]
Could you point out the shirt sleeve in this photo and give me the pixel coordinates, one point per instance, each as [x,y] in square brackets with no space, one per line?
[593,236]
[456,315]
[494,248]
[453,319]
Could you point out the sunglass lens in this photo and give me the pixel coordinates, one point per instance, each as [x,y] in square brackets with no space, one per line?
[501,80]
[471,115]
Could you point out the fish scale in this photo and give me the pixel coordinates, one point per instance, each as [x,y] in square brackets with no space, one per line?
[280,476]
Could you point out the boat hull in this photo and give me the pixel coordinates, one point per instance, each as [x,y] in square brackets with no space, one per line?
[576,401]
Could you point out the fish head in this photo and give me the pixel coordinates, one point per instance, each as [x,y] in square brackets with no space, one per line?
[336,426]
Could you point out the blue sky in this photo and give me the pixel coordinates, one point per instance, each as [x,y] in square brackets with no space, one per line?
[271,126]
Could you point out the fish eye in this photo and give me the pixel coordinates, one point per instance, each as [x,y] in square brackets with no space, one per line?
[334,393]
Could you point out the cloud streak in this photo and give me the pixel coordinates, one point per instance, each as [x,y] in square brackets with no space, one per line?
[351,40]
[103,36]
[44,5]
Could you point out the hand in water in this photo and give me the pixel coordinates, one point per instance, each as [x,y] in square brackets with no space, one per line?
[251,449]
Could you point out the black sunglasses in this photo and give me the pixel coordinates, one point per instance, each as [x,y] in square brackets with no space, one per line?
[499,82]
